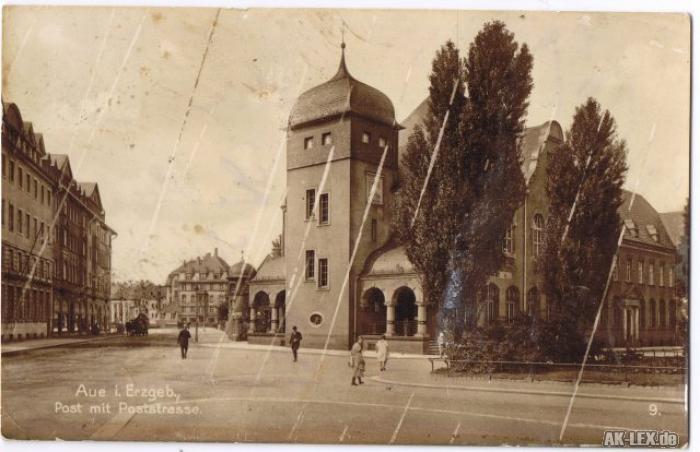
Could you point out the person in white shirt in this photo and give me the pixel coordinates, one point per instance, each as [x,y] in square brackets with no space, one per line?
[382,353]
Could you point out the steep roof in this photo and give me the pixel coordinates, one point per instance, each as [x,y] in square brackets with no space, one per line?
[646,219]
[674,223]
[272,268]
[340,95]
[531,142]
[209,263]
[248,270]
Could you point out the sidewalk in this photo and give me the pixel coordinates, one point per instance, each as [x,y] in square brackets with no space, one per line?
[14,348]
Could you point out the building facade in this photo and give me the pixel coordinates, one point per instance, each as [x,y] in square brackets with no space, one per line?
[200,289]
[342,274]
[55,239]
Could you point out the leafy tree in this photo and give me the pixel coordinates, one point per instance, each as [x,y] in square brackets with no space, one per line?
[429,231]
[499,82]
[585,174]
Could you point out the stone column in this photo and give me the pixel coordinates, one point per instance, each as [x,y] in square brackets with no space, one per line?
[422,321]
[624,324]
[390,316]
[636,324]
[251,321]
[273,323]
[280,314]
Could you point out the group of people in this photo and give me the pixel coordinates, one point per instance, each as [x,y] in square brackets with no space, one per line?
[357,360]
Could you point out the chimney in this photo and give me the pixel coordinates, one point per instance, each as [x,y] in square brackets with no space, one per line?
[216,251]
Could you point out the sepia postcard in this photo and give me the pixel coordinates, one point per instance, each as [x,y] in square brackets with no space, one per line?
[338,226]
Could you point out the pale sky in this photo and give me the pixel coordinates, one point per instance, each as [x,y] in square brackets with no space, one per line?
[110,87]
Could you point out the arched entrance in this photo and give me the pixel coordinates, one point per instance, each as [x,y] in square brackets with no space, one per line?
[280,310]
[262,313]
[372,316]
[406,312]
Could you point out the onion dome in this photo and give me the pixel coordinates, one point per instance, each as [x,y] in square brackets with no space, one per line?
[342,94]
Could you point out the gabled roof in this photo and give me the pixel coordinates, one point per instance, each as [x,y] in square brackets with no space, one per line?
[531,142]
[642,214]
[209,263]
[272,268]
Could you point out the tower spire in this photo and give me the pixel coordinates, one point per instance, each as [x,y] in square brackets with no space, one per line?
[342,69]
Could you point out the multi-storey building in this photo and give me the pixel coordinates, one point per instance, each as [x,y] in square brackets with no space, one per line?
[27,215]
[343,274]
[54,237]
[200,289]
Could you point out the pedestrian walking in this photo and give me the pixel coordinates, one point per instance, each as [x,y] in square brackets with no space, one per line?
[441,343]
[184,340]
[357,362]
[295,342]
[382,353]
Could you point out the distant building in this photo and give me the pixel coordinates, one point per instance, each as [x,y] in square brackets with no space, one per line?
[200,290]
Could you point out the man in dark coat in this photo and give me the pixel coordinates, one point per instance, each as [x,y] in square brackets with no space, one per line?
[184,340]
[295,341]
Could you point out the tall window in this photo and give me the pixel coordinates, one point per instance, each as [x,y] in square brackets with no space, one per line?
[662,314]
[651,273]
[373,234]
[642,314]
[512,301]
[324,214]
[671,314]
[11,217]
[310,202]
[379,193]
[310,261]
[20,176]
[628,270]
[662,272]
[19,221]
[492,298]
[508,247]
[640,272]
[652,313]
[12,171]
[670,274]
[538,234]
[323,272]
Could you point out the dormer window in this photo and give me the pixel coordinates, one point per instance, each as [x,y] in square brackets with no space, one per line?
[366,137]
[653,233]
[327,139]
[308,142]
[631,228]
[382,142]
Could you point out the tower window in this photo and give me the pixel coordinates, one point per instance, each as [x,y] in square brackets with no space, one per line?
[374,230]
[379,193]
[326,139]
[323,272]
[308,142]
[310,261]
[538,234]
[324,207]
[366,137]
[382,142]
[310,202]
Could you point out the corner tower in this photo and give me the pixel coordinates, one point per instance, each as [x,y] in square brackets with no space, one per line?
[337,134]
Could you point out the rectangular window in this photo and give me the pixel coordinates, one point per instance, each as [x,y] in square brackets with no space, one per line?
[36,189]
[382,142]
[48,197]
[326,139]
[36,227]
[508,247]
[310,202]
[323,273]
[662,272]
[29,183]
[640,272]
[366,137]
[19,221]
[308,142]
[379,193]
[670,276]
[310,261]
[629,270]
[374,230]
[20,176]
[12,171]
[11,217]
[42,194]
[29,232]
[651,273]
[324,209]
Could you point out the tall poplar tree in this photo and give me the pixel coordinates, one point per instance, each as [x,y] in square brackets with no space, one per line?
[588,169]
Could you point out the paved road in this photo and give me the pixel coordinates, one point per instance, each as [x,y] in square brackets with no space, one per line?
[254,395]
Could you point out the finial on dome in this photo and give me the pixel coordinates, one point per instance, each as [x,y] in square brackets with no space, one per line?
[342,69]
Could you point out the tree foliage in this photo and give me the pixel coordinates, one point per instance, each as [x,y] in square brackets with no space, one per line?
[476,184]
[587,169]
